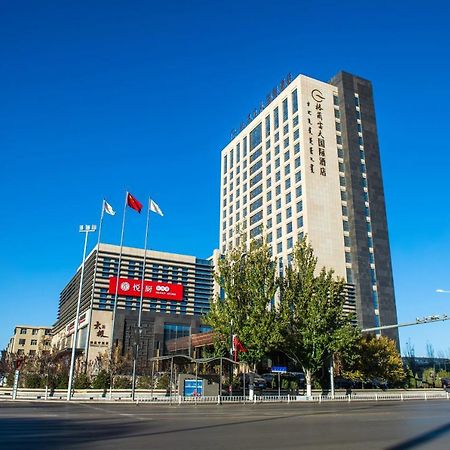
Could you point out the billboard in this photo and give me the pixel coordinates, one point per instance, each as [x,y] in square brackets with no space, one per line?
[152,289]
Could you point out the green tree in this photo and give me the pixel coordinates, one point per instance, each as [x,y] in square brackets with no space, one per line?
[377,357]
[247,276]
[312,318]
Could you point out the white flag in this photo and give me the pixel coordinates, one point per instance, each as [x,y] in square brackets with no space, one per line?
[155,208]
[108,208]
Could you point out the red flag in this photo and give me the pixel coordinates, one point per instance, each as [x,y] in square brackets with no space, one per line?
[238,346]
[134,203]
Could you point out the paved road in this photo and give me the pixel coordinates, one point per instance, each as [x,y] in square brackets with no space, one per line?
[384,425]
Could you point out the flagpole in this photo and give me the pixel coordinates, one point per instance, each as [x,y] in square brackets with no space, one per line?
[135,355]
[118,271]
[86,350]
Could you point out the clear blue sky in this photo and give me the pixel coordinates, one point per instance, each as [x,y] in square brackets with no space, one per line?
[97,97]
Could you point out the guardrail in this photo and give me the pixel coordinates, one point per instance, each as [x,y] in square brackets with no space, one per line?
[161,397]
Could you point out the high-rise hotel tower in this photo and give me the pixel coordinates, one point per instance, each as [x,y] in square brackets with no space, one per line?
[307,163]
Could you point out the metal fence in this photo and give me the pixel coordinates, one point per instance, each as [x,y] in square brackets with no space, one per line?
[161,397]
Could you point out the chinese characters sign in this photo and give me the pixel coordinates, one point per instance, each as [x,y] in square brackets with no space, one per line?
[316,139]
[152,289]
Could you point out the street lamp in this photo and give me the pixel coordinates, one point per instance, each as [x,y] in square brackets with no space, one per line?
[86,229]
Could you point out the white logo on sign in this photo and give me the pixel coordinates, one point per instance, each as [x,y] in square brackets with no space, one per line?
[125,286]
[163,288]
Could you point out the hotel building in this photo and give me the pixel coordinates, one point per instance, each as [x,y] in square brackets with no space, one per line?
[177,290]
[307,163]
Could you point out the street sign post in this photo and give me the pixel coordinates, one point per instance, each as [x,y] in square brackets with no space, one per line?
[279,370]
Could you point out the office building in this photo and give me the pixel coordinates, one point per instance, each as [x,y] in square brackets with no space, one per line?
[307,163]
[177,290]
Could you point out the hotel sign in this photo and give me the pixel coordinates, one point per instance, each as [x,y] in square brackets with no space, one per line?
[152,289]
[317,155]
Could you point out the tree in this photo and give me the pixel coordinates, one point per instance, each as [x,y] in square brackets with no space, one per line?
[248,279]
[377,357]
[311,311]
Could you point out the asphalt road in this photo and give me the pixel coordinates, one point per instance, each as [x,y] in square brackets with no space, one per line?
[384,425]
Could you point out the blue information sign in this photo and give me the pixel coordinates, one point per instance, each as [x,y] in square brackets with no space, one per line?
[193,388]
[279,369]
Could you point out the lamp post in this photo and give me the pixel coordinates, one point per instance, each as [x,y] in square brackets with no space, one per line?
[86,229]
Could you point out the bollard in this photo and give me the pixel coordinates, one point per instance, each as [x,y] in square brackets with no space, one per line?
[289,398]
[376,397]
[401,396]
[320,398]
[425,396]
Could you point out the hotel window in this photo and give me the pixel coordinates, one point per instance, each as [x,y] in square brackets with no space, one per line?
[337,114]
[348,257]
[278,218]
[338,126]
[290,243]
[276,119]
[279,233]
[268,183]
[256,204]
[299,222]
[269,238]
[286,142]
[225,158]
[289,227]
[267,144]
[349,275]
[336,100]
[286,156]
[278,190]
[268,156]
[269,196]
[298,176]
[269,210]
[279,247]
[277,137]
[277,176]
[287,170]
[296,134]
[285,129]
[268,170]
[256,136]
[267,120]
[297,162]
[285,109]
[269,223]
[343,195]
[298,191]
[278,203]
[33,341]
[23,331]
[21,341]
[288,213]
[288,197]
[347,241]
[256,218]
[294,101]
[300,206]
[231,158]
[277,150]
[297,148]
[256,154]
[277,163]
[345,225]
[287,183]
[245,148]
[295,121]
[238,152]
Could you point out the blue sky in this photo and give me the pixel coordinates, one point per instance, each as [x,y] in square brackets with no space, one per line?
[102,96]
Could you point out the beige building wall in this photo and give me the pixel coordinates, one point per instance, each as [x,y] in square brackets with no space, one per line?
[30,340]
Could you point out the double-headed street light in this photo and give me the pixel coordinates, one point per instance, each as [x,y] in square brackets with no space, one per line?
[86,229]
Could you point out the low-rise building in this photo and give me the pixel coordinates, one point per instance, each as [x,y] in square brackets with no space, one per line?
[30,340]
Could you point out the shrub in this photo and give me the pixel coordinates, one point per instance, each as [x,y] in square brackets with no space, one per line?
[101,380]
[122,383]
[82,382]
[32,380]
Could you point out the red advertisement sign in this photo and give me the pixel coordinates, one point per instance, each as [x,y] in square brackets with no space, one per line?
[152,289]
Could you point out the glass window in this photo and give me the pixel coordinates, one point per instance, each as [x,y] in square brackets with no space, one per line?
[278,218]
[348,257]
[298,191]
[300,206]
[296,134]
[285,109]
[299,222]
[278,190]
[349,275]
[369,241]
[286,156]
[344,211]
[297,162]
[238,152]
[269,238]
[269,210]
[256,154]
[269,223]
[356,101]
[278,203]
[338,126]
[343,195]
[297,148]
[298,176]
[269,196]
[277,137]
[287,183]
[256,136]
[285,129]
[21,341]
[335,100]
[341,167]
[277,163]
[268,170]
[279,247]
[231,158]
[279,233]
[289,227]
[288,197]
[277,176]
[290,242]
[339,140]
[267,144]
[33,341]
[225,158]
[256,218]
[345,225]
[347,241]
[245,147]
[337,114]
[23,331]
[287,170]
[286,142]
[295,121]
[276,118]
[277,150]
[294,101]
[288,213]
[340,153]
[342,181]
[267,121]
[256,204]
[255,167]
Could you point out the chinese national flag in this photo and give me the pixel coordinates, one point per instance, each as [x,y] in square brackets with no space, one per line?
[134,203]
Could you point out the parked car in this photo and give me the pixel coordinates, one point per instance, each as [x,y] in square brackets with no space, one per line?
[259,382]
[343,383]
[445,382]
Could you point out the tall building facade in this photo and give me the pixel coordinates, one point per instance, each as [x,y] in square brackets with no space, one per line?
[177,290]
[307,163]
